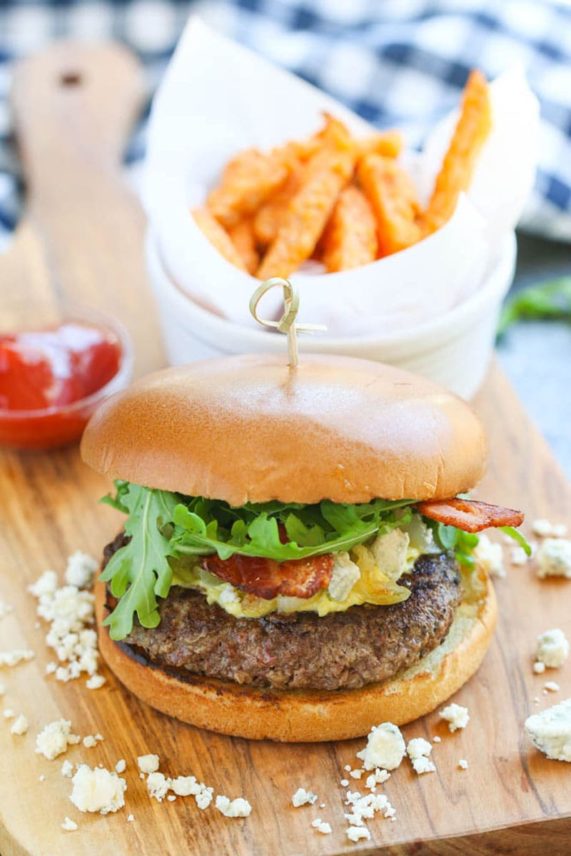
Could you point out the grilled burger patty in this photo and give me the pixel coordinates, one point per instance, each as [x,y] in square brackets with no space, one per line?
[342,650]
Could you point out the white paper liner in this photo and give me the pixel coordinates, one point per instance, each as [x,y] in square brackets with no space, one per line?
[217,98]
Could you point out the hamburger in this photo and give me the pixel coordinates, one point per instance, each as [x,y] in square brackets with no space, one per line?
[298,556]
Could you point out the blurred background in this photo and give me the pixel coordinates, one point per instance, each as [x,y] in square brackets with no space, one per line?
[397,63]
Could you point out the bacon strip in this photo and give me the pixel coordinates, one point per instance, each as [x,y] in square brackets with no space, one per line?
[469,515]
[267,578]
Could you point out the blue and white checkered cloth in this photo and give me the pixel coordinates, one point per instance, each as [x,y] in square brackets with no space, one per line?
[399,63]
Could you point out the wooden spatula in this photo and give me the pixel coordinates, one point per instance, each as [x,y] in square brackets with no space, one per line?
[81,237]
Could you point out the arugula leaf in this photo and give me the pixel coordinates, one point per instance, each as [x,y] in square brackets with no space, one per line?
[551,300]
[461,543]
[518,537]
[139,571]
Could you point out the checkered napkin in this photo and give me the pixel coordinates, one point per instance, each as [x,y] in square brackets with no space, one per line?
[396,62]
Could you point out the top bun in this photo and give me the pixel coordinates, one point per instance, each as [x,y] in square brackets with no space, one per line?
[252,429]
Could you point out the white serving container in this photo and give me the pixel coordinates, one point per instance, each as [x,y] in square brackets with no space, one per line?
[453,350]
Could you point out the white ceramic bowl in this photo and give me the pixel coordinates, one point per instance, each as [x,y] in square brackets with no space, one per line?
[453,350]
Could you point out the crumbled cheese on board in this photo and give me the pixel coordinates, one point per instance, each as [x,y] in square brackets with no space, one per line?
[552,648]
[70,612]
[554,558]
[418,750]
[552,686]
[67,769]
[16,656]
[148,763]
[550,731]
[5,609]
[97,790]
[545,529]
[186,786]
[363,808]
[55,738]
[463,764]
[379,777]
[539,667]
[20,725]
[322,826]
[518,556]
[356,833]
[157,785]
[92,740]
[95,682]
[204,798]
[385,747]
[238,807]
[120,766]
[69,825]
[8,713]
[80,570]
[303,797]
[456,716]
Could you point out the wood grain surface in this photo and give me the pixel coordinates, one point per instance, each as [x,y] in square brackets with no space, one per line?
[510,800]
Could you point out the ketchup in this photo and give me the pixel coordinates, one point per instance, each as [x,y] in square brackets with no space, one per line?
[45,377]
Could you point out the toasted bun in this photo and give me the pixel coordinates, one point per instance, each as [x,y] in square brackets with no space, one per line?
[252,429]
[302,716]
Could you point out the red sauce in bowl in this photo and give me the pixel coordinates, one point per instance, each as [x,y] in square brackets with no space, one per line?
[51,380]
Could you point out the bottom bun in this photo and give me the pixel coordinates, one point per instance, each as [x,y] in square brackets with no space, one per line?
[301,716]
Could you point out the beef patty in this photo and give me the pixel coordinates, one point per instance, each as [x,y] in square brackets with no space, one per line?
[342,650]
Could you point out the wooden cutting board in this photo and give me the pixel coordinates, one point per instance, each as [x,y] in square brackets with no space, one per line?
[510,800]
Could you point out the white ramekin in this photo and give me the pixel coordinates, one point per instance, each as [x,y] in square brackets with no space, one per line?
[453,350]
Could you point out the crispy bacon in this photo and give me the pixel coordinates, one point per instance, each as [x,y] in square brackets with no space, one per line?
[469,515]
[267,578]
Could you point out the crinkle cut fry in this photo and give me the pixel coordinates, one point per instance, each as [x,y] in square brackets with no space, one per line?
[244,240]
[393,199]
[297,154]
[270,215]
[469,514]
[472,130]
[248,180]
[326,175]
[386,143]
[218,236]
[350,238]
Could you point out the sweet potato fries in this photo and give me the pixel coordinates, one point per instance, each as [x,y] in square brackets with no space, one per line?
[340,200]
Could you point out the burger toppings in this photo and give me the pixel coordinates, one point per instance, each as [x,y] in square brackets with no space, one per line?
[267,578]
[280,557]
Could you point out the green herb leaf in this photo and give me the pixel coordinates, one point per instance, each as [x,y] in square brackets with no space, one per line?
[546,300]
[461,543]
[518,537]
